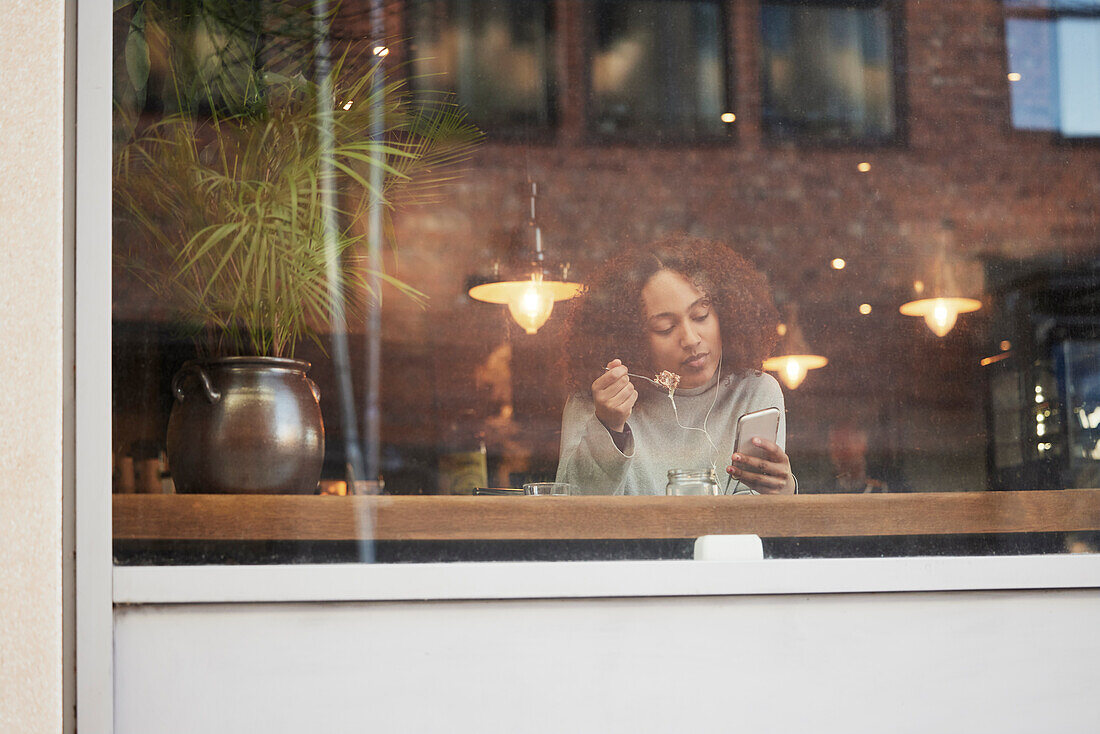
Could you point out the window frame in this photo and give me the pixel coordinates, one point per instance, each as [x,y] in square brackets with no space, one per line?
[100,585]
[89,323]
[899,61]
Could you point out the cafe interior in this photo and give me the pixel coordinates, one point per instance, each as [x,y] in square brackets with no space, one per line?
[919,186]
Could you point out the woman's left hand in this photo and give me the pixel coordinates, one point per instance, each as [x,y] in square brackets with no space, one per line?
[770,475]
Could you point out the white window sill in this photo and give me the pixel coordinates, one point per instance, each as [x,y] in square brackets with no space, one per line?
[534,580]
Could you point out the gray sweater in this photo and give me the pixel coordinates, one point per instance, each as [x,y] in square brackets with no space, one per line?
[590,460]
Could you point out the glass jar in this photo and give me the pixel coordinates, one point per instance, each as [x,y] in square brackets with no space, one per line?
[463,465]
[683,482]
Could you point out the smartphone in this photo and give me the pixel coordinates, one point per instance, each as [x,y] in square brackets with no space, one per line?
[758,424]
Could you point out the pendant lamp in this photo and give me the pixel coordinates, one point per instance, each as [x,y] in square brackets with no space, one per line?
[795,358]
[942,302]
[531,298]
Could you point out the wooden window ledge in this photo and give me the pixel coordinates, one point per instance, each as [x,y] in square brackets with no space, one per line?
[296,517]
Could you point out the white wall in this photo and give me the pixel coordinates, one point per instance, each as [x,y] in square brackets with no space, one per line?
[32,216]
[902,662]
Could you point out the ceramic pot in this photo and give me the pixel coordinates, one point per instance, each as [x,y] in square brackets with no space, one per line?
[245,425]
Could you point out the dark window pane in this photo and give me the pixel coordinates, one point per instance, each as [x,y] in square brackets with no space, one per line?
[658,66]
[494,55]
[828,72]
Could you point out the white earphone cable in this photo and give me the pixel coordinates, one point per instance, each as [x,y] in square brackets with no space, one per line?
[705,432]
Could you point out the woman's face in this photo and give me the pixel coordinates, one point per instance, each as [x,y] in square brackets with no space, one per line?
[681,327]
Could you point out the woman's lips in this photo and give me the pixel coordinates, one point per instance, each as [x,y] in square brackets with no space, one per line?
[695,361]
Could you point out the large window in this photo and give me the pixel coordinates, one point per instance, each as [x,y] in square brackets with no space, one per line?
[828,71]
[658,68]
[917,324]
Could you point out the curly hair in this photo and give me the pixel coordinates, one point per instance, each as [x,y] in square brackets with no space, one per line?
[607,322]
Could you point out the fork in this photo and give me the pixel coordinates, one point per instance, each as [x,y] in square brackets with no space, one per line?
[650,380]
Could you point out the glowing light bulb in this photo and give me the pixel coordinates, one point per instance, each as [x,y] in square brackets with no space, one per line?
[532,305]
[1014,76]
[864,167]
[838,263]
[529,301]
[728,117]
[941,318]
[348,104]
[940,313]
[381,51]
[865,308]
[792,368]
[793,373]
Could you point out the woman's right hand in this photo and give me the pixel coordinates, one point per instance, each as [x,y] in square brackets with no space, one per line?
[614,396]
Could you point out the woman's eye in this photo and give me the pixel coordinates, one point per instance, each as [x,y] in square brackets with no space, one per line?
[663,332]
[701,317]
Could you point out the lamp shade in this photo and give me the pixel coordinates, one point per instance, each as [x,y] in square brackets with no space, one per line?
[795,358]
[529,301]
[792,368]
[941,304]
[940,313]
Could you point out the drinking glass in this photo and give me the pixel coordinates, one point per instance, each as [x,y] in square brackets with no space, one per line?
[560,489]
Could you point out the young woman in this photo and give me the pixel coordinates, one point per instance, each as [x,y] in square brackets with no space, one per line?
[697,309]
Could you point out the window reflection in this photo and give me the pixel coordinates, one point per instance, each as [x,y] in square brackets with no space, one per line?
[828,71]
[1045,391]
[1053,58]
[659,68]
[495,56]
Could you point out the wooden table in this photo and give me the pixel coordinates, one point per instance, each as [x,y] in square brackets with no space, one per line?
[286,517]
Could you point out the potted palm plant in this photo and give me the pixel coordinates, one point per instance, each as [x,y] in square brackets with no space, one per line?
[249,222]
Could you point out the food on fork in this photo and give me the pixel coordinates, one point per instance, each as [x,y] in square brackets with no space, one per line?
[667,380]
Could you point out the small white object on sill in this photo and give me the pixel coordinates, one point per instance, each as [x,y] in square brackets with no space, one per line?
[729,548]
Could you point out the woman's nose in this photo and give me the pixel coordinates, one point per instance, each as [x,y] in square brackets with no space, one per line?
[689,337]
